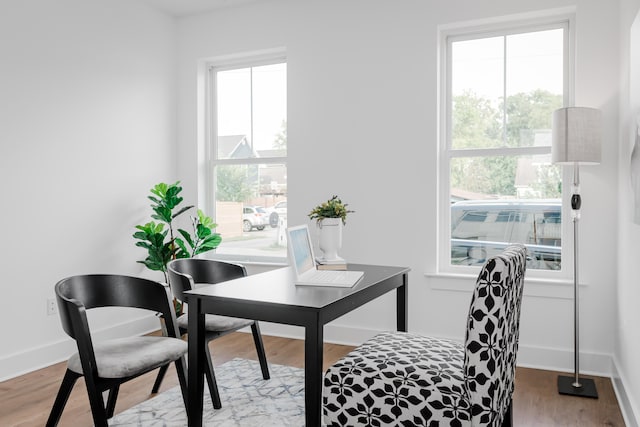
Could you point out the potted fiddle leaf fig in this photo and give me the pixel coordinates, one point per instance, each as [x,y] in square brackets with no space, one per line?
[166,244]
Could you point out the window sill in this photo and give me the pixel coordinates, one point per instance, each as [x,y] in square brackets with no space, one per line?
[539,287]
[249,260]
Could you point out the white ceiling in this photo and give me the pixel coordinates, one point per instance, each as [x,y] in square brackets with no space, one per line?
[190,7]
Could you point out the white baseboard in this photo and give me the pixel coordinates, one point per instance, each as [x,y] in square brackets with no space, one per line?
[554,359]
[528,356]
[21,363]
[630,413]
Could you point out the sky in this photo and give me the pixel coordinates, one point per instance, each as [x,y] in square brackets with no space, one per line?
[255,96]
[535,61]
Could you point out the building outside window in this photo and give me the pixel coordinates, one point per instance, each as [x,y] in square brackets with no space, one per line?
[498,185]
[246,185]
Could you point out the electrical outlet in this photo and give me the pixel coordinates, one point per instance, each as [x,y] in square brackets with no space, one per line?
[52,308]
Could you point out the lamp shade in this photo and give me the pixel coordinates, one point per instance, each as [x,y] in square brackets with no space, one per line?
[576,135]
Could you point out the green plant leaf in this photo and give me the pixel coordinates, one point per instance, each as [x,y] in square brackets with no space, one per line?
[206,220]
[171,198]
[209,244]
[183,252]
[202,231]
[212,241]
[184,209]
[150,227]
[173,190]
[160,190]
[162,213]
[143,245]
[213,238]
[140,235]
[154,200]
[150,265]
[186,236]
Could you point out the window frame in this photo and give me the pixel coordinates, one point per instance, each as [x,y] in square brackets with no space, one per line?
[211,67]
[454,33]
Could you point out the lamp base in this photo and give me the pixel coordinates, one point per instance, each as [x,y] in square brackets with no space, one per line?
[587,389]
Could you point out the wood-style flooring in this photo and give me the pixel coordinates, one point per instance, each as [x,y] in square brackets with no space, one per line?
[25,401]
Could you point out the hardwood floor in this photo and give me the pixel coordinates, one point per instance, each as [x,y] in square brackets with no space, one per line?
[25,401]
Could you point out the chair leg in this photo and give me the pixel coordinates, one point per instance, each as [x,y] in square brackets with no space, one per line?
[211,379]
[111,401]
[507,421]
[181,369]
[159,378]
[98,409]
[68,381]
[262,357]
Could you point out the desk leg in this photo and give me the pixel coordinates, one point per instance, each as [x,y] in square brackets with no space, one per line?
[313,342]
[401,305]
[195,385]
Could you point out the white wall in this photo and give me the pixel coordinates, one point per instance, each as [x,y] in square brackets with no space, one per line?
[362,123]
[87,126]
[627,376]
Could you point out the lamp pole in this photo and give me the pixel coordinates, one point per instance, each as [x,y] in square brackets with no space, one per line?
[574,386]
[576,140]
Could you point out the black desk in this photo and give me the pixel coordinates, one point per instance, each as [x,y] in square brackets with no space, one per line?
[272,297]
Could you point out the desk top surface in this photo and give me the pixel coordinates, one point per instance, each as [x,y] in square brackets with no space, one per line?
[277,287]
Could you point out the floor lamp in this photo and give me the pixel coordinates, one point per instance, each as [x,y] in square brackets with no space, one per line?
[576,141]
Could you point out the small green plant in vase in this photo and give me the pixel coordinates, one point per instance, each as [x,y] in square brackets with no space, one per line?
[164,244]
[330,217]
[332,208]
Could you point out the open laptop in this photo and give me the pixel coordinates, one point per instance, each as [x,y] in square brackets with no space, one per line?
[303,263]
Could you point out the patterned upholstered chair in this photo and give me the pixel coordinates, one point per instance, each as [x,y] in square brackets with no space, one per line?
[404,379]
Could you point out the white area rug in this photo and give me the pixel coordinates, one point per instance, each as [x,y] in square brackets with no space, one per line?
[247,400]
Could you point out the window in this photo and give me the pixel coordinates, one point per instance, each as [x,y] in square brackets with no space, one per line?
[498,185]
[247,157]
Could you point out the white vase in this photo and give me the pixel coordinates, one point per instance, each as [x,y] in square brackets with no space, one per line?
[330,238]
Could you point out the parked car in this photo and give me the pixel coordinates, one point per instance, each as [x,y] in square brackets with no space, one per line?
[483,228]
[281,207]
[254,217]
[276,211]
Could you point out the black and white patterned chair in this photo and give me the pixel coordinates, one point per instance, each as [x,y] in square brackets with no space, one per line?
[404,379]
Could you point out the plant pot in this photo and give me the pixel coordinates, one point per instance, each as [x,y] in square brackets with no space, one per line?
[330,238]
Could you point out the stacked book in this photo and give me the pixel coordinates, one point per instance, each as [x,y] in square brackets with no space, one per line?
[336,264]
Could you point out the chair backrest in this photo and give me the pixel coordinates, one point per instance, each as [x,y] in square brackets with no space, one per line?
[186,272]
[491,342]
[77,294]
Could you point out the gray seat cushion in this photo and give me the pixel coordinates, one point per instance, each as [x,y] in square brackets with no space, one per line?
[124,357]
[215,323]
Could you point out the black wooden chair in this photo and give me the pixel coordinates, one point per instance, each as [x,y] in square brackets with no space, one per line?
[184,275]
[107,364]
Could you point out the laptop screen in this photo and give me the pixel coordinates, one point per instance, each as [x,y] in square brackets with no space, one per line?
[300,248]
